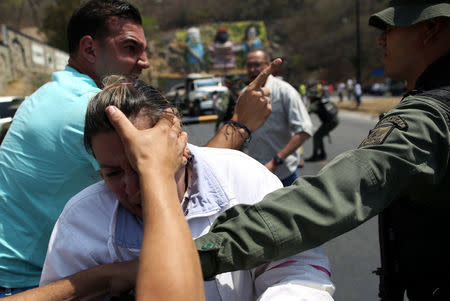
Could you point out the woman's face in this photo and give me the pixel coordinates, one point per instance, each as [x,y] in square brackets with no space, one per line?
[115,168]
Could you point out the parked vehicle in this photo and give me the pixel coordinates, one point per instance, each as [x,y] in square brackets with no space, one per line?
[197,94]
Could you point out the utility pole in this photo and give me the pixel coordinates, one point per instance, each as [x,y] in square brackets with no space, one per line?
[358,44]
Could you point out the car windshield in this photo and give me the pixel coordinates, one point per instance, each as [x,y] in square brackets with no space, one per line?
[207,82]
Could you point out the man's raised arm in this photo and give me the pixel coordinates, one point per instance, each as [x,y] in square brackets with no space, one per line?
[252,110]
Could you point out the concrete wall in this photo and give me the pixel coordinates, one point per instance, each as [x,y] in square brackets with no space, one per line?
[21,55]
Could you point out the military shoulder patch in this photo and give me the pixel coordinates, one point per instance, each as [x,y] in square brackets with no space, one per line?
[383,128]
[377,136]
[394,120]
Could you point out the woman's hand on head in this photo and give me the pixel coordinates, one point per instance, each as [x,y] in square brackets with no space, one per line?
[158,149]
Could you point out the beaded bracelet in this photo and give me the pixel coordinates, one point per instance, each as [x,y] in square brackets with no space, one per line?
[237,124]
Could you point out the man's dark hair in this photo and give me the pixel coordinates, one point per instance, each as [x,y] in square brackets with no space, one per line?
[92,17]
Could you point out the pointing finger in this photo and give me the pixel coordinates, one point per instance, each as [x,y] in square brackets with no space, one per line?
[262,77]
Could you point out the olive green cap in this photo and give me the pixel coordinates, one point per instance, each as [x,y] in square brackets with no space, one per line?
[404,13]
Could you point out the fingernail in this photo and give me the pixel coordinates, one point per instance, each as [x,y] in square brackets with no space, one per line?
[110,110]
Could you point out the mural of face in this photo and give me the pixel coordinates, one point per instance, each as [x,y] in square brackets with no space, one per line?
[193,34]
[252,33]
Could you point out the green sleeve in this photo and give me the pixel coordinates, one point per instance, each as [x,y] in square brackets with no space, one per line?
[408,147]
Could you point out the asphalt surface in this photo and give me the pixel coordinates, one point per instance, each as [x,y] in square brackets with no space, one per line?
[354,255]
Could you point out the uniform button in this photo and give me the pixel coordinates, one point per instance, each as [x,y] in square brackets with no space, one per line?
[207,246]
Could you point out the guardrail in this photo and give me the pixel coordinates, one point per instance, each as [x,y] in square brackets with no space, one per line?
[199,119]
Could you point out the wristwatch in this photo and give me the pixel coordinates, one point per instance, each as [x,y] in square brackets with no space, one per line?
[277,160]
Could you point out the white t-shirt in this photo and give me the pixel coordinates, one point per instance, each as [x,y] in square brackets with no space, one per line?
[94,229]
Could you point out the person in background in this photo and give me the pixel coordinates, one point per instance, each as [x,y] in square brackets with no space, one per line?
[357,90]
[350,84]
[302,92]
[328,115]
[275,144]
[340,91]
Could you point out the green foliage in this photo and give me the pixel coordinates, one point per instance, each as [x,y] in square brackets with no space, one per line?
[56,18]
[14,2]
[150,25]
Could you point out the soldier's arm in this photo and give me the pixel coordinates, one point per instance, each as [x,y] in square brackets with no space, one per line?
[393,161]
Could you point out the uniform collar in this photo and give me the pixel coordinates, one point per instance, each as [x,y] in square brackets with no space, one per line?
[435,76]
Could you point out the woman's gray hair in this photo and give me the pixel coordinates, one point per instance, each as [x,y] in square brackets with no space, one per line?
[131,99]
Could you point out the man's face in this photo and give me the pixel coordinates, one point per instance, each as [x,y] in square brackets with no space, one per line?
[399,47]
[116,170]
[256,62]
[122,52]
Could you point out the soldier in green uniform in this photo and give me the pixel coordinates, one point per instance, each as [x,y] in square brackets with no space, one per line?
[328,115]
[402,166]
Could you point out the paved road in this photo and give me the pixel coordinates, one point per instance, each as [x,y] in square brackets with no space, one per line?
[353,255]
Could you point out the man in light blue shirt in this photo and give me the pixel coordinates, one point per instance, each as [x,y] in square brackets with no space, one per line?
[42,158]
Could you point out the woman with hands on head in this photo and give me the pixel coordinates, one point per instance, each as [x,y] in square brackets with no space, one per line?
[143,160]
[161,210]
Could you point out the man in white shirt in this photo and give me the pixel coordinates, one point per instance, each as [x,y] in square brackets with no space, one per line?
[275,144]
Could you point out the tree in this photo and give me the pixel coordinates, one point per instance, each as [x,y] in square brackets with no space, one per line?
[55,20]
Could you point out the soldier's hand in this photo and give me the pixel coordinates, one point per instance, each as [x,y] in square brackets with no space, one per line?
[253,106]
[159,149]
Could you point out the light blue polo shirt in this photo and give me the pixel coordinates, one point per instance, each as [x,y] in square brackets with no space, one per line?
[43,163]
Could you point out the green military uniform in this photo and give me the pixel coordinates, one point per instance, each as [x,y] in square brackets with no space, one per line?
[403,163]
[328,115]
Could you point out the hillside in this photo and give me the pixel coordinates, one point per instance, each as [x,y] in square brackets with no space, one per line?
[316,38]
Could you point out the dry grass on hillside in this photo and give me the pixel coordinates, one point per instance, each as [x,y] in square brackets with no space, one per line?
[370,105]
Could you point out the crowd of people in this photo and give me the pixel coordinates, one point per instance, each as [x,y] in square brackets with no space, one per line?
[100,192]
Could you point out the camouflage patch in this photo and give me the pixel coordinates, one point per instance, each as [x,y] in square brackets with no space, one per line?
[395,120]
[377,136]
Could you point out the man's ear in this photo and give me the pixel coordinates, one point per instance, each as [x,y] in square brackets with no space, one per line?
[87,49]
[432,29]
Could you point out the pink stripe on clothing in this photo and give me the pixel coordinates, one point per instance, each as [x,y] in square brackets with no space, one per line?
[283,264]
[318,267]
